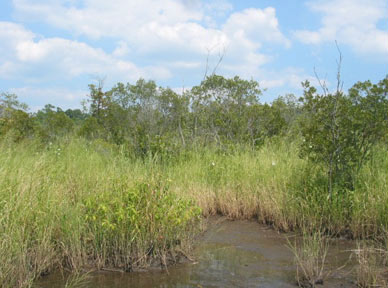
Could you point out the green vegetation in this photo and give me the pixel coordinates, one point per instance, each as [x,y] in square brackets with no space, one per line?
[73,205]
[125,182]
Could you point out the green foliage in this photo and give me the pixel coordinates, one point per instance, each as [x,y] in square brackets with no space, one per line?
[91,129]
[77,203]
[220,109]
[339,130]
[9,103]
[18,126]
[72,202]
[288,110]
[72,205]
[76,115]
[15,123]
[145,211]
[99,101]
[154,121]
[52,124]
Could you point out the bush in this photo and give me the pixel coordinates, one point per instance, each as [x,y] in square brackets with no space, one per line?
[144,220]
[340,130]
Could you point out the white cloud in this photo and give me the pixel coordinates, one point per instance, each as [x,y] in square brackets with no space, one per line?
[188,37]
[248,31]
[61,97]
[214,10]
[11,35]
[172,27]
[67,58]
[290,77]
[174,35]
[121,50]
[256,26]
[352,22]
[120,18]
[8,69]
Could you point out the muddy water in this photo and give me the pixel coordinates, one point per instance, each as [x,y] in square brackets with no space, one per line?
[230,254]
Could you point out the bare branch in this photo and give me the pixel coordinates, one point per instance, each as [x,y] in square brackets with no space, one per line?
[340,83]
[221,55]
[220,58]
[207,63]
[322,84]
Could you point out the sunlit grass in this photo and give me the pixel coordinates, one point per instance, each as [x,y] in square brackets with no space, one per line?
[76,203]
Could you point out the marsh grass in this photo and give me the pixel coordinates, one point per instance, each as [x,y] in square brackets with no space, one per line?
[72,205]
[77,279]
[310,252]
[279,188]
[372,270]
[241,184]
[76,203]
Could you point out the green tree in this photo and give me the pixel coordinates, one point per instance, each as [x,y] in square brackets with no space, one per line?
[14,121]
[8,103]
[219,106]
[174,109]
[98,100]
[53,122]
[76,115]
[339,130]
[289,109]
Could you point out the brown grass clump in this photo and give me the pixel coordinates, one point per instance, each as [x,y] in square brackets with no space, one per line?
[372,270]
[310,256]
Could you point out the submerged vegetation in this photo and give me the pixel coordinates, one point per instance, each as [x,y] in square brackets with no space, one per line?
[124,183]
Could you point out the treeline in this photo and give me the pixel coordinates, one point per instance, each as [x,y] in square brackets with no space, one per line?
[143,116]
[337,129]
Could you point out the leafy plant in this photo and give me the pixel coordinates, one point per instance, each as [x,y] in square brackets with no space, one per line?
[339,130]
[146,217]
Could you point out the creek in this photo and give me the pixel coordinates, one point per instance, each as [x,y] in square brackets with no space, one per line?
[229,254]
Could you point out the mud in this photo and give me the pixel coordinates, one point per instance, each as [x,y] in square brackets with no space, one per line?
[229,254]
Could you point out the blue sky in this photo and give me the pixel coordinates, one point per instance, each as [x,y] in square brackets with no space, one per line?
[50,50]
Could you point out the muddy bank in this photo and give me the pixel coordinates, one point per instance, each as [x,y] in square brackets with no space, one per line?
[229,254]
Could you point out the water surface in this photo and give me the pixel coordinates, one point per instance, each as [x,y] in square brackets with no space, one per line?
[230,254]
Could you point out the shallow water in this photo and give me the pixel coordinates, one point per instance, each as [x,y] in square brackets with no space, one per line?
[230,254]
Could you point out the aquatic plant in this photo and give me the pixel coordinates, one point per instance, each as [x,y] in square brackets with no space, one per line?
[372,270]
[82,209]
[310,255]
[92,204]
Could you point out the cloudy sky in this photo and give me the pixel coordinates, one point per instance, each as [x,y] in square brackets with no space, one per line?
[50,50]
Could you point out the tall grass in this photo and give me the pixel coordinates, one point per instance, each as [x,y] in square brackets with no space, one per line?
[243,183]
[76,203]
[278,187]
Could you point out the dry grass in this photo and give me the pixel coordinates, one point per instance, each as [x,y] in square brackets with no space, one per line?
[310,256]
[372,270]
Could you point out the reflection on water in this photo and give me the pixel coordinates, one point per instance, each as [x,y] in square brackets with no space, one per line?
[231,254]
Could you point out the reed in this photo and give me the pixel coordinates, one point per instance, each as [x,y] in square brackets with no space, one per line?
[310,253]
[372,259]
[77,203]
